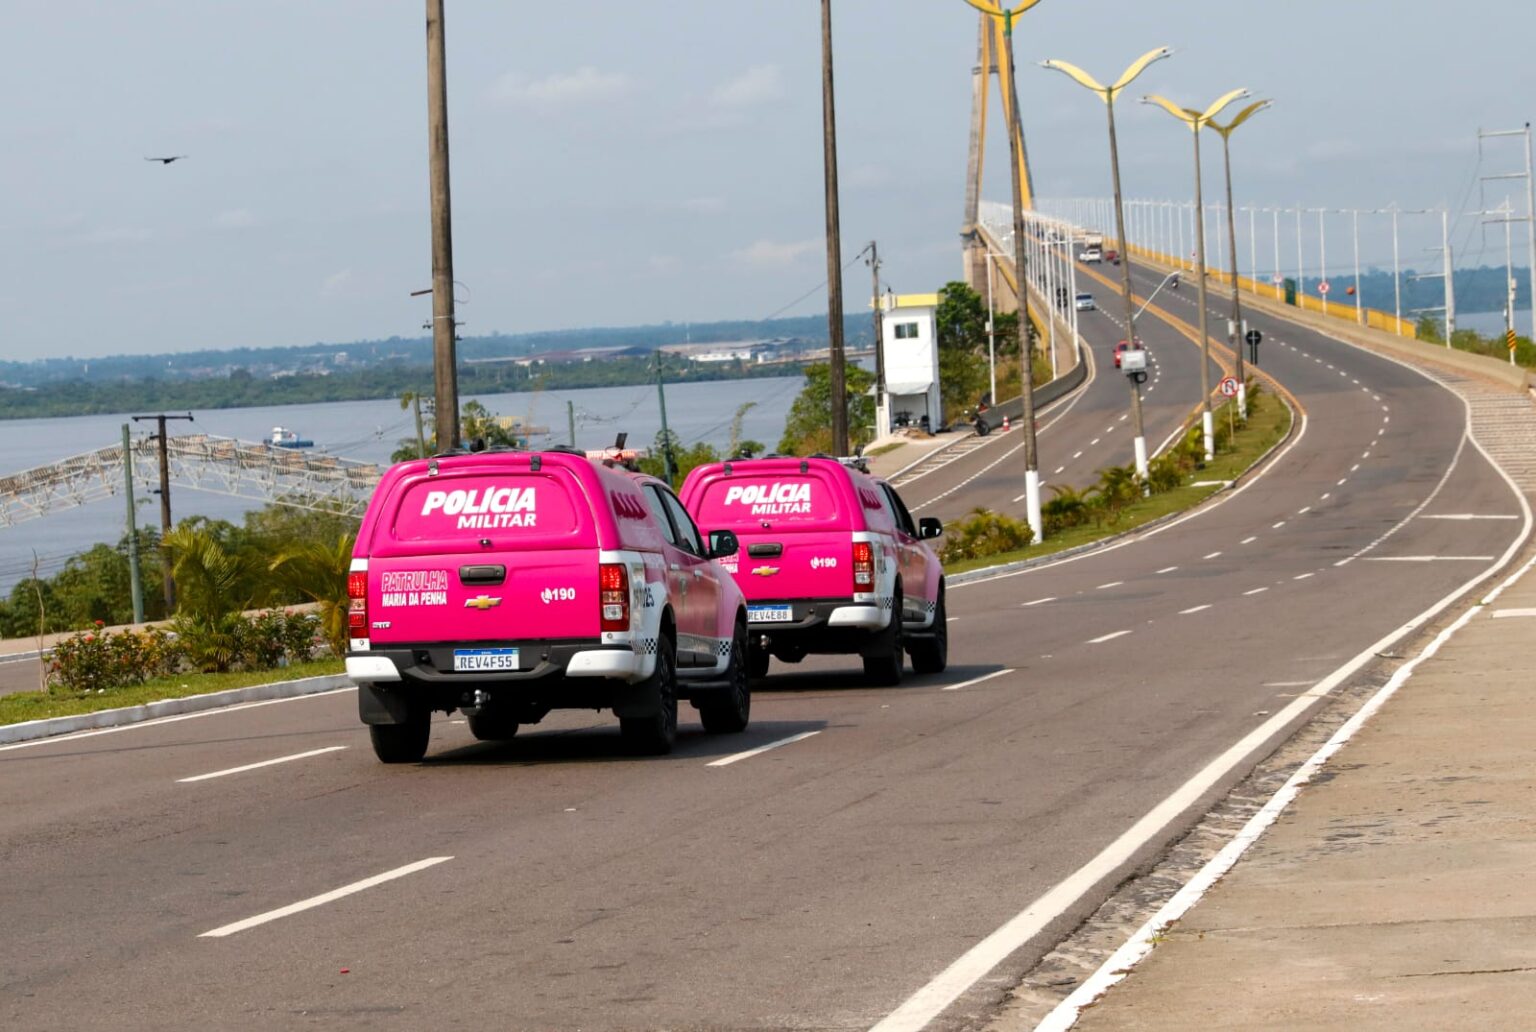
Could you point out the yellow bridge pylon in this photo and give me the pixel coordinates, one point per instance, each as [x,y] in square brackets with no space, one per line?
[991,60]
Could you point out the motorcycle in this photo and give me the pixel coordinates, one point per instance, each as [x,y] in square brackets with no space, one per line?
[978,420]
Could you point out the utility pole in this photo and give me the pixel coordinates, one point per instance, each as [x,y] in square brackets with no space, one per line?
[570,421]
[882,413]
[834,242]
[668,466]
[135,585]
[444,358]
[165,503]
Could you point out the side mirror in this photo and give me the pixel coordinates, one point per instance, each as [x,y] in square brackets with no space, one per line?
[930,527]
[723,543]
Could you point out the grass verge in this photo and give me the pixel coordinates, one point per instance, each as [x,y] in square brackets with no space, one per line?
[1269,420]
[23,706]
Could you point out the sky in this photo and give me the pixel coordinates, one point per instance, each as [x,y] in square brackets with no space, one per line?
[622,163]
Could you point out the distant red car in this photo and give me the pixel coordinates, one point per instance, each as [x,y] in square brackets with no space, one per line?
[1112,256]
[1123,347]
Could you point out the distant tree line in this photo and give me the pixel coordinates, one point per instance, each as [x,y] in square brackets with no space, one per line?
[411,352]
[240,389]
[1477,290]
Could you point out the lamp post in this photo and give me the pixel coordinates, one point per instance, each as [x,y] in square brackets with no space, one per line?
[994,9]
[1196,120]
[992,256]
[1107,94]
[1235,327]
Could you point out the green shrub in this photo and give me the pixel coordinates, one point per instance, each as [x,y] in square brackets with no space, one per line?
[984,533]
[95,660]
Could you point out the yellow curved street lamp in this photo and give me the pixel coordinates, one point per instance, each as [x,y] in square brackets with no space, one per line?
[1236,326]
[1197,120]
[1107,94]
[995,9]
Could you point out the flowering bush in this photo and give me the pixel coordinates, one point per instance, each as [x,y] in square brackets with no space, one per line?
[95,660]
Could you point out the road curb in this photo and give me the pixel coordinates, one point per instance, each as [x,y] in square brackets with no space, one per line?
[52,726]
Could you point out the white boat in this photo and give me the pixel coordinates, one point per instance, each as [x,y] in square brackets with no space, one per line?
[282,437]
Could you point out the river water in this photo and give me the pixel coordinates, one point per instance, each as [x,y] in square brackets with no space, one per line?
[364,430]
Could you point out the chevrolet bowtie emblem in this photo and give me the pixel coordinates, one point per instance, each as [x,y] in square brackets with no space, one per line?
[481,602]
[764,571]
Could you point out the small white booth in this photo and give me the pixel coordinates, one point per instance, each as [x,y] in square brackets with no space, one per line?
[910,347]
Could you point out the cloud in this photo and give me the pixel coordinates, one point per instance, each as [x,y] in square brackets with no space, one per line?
[584,85]
[336,283]
[757,85]
[234,218]
[661,264]
[771,254]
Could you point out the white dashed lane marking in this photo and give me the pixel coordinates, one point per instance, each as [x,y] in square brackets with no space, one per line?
[1193,609]
[1107,637]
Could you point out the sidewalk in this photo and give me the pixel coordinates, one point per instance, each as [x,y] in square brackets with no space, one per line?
[1396,890]
[908,450]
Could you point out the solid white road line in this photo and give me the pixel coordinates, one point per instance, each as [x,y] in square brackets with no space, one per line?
[324,898]
[1501,614]
[263,763]
[1467,516]
[975,680]
[725,761]
[1194,609]
[1107,637]
[1427,558]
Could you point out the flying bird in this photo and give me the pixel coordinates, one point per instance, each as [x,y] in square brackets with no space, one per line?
[167,161]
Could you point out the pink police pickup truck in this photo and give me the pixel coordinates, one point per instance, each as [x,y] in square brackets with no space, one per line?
[508,584]
[830,562]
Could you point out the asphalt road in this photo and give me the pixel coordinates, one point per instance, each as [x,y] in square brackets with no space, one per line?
[820,884]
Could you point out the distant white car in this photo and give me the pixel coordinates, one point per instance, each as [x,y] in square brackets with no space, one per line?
[1093,254]
[1085,303]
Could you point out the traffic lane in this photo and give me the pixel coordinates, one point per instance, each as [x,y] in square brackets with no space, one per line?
[629,884]
[850,842]
[243,845]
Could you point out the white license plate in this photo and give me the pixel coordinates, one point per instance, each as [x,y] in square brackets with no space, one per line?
[770,614]
[469,660]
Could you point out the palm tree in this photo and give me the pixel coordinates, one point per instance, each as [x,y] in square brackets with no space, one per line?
[318,571]
[212,586]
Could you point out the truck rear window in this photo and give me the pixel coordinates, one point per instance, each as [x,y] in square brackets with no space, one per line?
[789,498]
[533,503]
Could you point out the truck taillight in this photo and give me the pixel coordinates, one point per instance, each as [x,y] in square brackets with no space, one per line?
[357,604]
[613,596]
[863,566]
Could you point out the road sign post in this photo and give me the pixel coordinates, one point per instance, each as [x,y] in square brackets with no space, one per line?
[1253,337]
